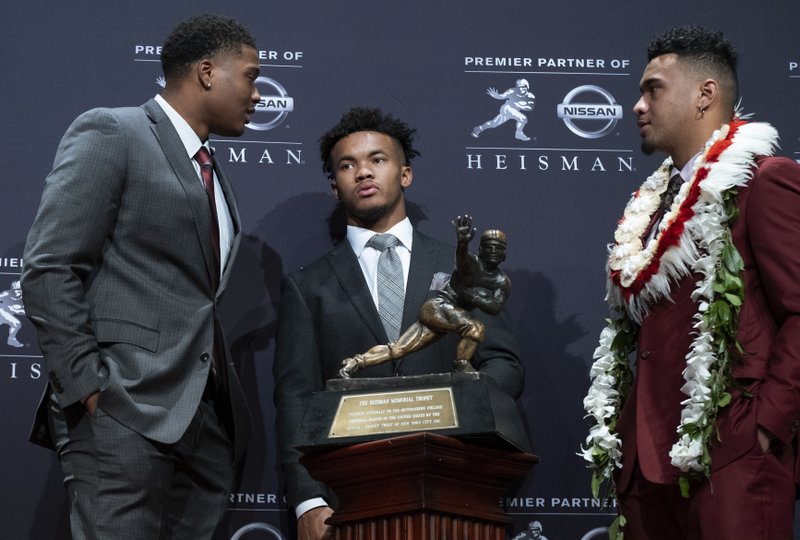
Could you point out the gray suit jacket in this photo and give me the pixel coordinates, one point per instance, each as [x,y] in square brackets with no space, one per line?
[327,314]
[117,276]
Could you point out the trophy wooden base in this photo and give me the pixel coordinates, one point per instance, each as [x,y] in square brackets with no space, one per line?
[421,486]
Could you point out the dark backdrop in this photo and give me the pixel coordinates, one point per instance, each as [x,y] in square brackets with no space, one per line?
[557,196]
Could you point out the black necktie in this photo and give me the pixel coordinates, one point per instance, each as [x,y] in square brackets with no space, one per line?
[669,195]
[666,202]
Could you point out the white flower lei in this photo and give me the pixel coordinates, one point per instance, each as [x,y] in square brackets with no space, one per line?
[700,250]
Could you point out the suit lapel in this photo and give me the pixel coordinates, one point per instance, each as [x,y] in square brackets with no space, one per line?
[197,199]
[345,267]
[424,264]
[230,197]
[420,273]
[233,209]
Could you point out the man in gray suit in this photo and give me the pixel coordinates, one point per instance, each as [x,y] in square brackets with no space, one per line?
[124,268]
[329,309]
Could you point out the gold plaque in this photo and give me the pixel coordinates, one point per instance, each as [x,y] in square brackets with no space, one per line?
[394,412]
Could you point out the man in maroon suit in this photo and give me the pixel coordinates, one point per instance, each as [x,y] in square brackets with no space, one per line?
[723,418]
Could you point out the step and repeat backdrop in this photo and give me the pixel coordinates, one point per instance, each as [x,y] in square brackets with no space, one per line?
[554,177]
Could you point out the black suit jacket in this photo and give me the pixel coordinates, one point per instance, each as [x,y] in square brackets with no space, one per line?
[327,314]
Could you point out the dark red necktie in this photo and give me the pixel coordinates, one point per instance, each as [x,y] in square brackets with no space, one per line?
[207,172]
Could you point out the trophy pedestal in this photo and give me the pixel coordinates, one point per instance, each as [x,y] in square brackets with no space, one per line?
[419,486]
[416,458]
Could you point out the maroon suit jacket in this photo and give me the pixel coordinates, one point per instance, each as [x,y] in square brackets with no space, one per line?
[767,235]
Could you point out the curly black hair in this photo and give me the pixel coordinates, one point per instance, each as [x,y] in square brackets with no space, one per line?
[198,37]
[366,119]
[704,51]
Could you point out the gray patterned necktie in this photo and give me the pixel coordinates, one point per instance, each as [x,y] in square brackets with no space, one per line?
[391,291]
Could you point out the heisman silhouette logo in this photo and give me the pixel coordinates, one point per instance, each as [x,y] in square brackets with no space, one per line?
[534,532]
[11,307]
[517,102]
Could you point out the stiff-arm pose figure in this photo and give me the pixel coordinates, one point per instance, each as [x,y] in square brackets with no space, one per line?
[476,282]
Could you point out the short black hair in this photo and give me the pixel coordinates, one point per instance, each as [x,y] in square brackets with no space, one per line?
[366,119]
[198,37]
[702,49]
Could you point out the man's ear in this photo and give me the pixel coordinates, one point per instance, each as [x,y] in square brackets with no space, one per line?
[205,72]
[406,176]
[709,94]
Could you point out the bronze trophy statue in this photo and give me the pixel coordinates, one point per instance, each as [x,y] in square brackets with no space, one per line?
[462,402]
[476,282]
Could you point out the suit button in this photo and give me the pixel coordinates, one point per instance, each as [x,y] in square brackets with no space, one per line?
[204,357]
[644,355]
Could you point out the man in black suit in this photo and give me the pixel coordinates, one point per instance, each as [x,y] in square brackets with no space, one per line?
[329,308]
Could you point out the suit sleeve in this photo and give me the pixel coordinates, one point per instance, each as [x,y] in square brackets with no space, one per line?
[773,227]
[498,355]
[298,373]
[65,245]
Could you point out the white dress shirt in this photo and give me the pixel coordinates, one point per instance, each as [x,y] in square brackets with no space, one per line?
[192,143]
[368,256]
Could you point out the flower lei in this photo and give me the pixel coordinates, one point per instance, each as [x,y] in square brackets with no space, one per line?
[693,238]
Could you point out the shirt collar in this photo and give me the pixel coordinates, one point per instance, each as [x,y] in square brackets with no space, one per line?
[686,171]
[359,236]
[189,138]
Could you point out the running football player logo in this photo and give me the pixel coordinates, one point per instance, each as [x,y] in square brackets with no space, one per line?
[518,101]
[10,307]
